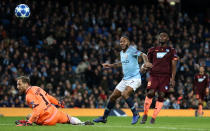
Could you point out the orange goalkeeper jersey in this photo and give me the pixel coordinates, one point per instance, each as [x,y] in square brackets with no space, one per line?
[40,102]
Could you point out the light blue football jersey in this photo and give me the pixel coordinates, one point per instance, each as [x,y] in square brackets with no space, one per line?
[130,65]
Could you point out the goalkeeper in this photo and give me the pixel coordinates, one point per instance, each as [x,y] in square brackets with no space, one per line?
[44,113]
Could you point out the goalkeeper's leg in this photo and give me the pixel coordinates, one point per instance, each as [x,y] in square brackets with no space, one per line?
[65,118]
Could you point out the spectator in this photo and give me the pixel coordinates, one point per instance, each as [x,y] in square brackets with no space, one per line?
[64,47]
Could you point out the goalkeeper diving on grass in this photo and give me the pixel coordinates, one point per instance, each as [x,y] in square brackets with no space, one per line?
[42,104]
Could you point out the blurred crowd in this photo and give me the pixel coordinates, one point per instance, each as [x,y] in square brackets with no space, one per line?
[61,46]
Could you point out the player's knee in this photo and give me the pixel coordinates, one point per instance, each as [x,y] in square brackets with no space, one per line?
[200,102]
[161,96]
[151,93]
[28,116]
[125,95]
[112,98]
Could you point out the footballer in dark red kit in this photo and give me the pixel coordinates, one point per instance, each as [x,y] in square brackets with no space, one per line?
[201,88]
[162,74]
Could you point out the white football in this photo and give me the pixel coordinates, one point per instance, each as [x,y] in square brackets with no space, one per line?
[22,11]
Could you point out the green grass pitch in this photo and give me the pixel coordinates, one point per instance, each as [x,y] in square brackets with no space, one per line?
[117,124]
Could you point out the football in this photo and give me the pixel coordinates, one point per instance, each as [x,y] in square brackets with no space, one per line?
[22,11]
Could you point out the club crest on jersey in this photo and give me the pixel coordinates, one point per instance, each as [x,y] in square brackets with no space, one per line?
[167,50]
[126,56]
[161,54]
[166,87]
[31,104]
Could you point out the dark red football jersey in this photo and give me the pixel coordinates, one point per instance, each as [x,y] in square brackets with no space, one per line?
[161,57]
[201,82]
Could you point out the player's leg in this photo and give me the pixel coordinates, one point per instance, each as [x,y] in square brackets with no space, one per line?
[200,98]
[111,103]
[67,119]
[131,86]
[147,104]
[77,121]
[129,100]
[52,117]
[151,88]
[28,116]
[197,97]
[200,107]
[158,106]
[162,90]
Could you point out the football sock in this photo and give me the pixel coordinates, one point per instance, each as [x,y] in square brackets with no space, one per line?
[110,105]
[75,121]
[200,109]
[130,103]
[158,107]
[147,104]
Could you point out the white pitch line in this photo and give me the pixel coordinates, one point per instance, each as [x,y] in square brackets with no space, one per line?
[6,124]
[146,127]
[169,128]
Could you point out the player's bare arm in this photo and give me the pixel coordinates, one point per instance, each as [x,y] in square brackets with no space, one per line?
[172,80]
[207,91]
[207,86]
[146,64]
[106,65]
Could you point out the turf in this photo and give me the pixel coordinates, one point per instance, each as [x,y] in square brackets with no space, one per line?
[117,124]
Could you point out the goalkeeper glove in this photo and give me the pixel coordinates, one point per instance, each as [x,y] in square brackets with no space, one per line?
[20,122]
[25,123]
[61,104]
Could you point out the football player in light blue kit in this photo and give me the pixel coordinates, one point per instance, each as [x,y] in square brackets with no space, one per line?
[130,81]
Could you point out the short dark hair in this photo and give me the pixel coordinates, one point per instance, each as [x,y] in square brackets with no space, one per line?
[25,79]
[163,31]
[126,36]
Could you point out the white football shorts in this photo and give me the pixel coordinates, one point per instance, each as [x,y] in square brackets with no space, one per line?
[133,83]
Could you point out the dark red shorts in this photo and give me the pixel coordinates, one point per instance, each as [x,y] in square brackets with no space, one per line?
[159,83]
[200,94]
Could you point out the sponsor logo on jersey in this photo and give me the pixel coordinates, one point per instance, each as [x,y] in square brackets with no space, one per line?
[31,104]
[201,79]
[161,54]
[126,61]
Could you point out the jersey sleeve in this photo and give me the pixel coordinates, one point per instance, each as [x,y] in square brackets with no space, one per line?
[149,55]
[207,81]
[135,52]
[35,105]
[174,54]
[194,83]
[52,99]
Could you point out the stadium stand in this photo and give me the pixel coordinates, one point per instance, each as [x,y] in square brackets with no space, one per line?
[61,46]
